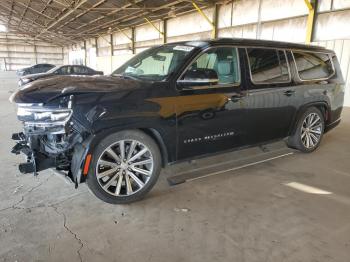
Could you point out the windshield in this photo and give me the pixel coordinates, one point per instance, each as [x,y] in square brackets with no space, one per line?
[155,64]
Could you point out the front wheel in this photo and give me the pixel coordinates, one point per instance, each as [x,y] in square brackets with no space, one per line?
[125,166]
[309,131]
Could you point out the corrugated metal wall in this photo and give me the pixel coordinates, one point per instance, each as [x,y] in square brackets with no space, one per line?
[16,53]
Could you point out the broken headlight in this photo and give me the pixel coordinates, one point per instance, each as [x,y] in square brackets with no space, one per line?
[39,119]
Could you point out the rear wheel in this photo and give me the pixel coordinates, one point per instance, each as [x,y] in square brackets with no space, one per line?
[309,131]
[125,166]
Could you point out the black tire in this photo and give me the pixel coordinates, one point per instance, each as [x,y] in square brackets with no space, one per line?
[95,184]
[295,140]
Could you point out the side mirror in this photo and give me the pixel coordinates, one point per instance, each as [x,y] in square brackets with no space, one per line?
[198,77]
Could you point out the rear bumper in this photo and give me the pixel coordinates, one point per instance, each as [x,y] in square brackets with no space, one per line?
[332,125]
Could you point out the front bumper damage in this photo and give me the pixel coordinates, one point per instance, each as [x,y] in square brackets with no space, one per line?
[36,161]
[22,147]
[51,138]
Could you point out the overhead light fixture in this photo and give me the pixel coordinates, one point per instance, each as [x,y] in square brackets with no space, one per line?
[3,28]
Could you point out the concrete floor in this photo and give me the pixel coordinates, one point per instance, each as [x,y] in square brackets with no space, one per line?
[244,215]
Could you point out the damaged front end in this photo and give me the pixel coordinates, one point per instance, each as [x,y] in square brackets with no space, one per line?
[50,138]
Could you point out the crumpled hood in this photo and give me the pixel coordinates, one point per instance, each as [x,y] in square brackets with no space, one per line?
[45,90]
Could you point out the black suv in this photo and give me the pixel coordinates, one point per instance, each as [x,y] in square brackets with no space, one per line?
[175,102]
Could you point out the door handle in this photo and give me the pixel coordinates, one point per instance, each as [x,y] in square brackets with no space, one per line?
[289,92]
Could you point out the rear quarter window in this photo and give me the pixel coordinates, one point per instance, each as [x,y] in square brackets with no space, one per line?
[268,66]
[313,66]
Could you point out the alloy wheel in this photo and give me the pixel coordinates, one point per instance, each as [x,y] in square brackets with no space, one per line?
[311,130]
[124,167]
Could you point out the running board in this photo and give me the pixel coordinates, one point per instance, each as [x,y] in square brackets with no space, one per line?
[250,157]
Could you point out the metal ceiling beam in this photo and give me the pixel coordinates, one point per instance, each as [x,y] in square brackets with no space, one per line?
[35,11]
[24,12]
[17,16]
[124,26]
[128,17]
[11,12]
[62,17]
[60,3]
[104,16]
[31,34]
[83,13]
[68,17]
[43,10]
[32,30]
[117,8]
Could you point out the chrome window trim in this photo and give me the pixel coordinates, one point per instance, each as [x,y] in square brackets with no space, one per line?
[209,87]
[319,52]
[198,80]
[213,86]
[269,82]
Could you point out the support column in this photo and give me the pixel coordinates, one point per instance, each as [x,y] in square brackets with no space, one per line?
[7,65]
[35,53]
[312,6]
[215,21]
[165,30]
[112,51]
[258,26]
[96,46]
[111,44]
[85,54]
[62,55]
[133,40]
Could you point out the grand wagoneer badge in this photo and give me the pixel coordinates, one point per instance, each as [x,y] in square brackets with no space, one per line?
[208,138]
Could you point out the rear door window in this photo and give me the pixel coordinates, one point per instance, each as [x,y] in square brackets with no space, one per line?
[268,66]
[79,70]
[313,66]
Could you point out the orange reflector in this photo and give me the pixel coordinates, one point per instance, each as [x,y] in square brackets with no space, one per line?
[87,164]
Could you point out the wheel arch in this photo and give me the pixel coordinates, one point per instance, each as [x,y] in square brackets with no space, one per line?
[157,137]
[323,106]
[96,138]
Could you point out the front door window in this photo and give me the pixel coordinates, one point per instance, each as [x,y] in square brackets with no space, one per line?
[216,67]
